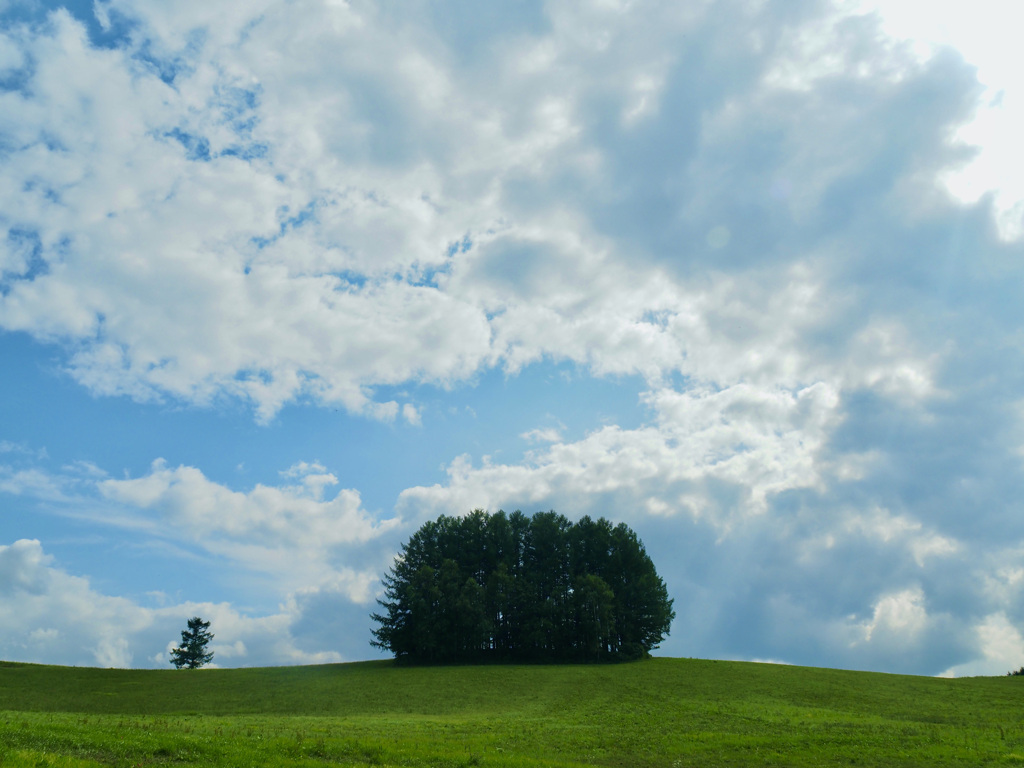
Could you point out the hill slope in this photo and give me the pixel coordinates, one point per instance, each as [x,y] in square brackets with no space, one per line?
[658,712]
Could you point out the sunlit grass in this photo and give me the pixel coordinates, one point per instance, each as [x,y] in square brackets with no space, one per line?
[661,712]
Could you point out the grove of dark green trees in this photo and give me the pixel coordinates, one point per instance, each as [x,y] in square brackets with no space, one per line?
[507,587]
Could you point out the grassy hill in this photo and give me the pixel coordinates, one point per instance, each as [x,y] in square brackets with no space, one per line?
[660,712]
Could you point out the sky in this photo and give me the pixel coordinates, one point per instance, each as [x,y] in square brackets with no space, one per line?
[280,281]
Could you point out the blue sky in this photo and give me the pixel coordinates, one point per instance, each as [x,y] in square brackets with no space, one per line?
[280,281]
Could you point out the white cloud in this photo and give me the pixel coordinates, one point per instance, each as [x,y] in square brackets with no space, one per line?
[31,482]
[313,476]
[10,56]
[887,528]
[22,449]
[1001,641]
[900,616]
[299,536]
[1000,646]
[1004,582]
[984,33]
[412,415]
[41,603]
[133,230]
[291,532]
[266,192]
[755,443]
[543,435]
[50,616]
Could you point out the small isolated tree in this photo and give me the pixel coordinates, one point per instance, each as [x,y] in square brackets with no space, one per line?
[192,653]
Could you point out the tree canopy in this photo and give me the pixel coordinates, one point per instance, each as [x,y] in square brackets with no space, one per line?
[509,587]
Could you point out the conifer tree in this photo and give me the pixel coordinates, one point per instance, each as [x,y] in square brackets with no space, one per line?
[191,653]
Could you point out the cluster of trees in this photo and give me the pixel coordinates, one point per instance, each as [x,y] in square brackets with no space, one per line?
[508,587]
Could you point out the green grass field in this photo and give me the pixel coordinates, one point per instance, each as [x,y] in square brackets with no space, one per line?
[660,712]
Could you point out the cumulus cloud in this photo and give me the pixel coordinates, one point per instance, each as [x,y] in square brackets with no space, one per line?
[51,616]
[125,194]
[990,46]
[291,532]
[396,217]
[902,616]
[714,454]
[301,546]
[1001,647]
